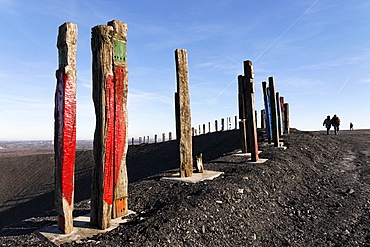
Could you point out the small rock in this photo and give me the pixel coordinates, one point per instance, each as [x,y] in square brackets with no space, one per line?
[203,229]
[241,191]
[350,191]
[219,202]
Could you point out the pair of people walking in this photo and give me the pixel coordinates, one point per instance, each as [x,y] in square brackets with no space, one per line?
[335,122]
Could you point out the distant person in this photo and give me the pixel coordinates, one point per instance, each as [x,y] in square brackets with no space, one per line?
[350,126]
[327,124]
[335,121]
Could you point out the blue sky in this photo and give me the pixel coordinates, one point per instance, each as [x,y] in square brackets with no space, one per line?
[318,52]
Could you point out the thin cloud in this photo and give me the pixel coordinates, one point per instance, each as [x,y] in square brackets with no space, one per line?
[145,97]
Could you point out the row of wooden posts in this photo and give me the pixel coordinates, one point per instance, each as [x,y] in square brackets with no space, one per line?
[109,197]
[195,131]
[274,118]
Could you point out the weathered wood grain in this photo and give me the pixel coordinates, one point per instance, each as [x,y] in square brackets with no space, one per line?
[183,114]
[110,88]
[250,110]
[65,126]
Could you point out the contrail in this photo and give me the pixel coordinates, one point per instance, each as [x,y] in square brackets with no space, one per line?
[343,85]
[222,91]
[276,40]
[281,35]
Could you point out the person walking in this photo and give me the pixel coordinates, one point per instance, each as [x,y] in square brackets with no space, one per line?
[350,126]
[327,124]
[335,121]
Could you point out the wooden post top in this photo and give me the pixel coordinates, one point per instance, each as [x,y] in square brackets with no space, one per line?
[67,44]
[248,69]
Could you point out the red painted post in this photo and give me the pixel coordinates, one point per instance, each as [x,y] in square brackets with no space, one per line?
[65,126]
[110,88]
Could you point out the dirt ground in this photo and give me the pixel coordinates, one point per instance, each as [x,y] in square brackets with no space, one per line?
[314,193]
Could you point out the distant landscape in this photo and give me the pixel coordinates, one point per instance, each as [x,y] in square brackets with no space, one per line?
[11,148]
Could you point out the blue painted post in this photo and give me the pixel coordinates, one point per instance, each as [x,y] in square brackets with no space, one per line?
[274,117]
[267,111]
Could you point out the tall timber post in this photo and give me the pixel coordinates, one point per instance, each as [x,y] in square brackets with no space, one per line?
[267,111]
[286,118]
[274,113]
[183,114]
[279,114]
[242,114]
[110,88]
[65,126]
[249,87]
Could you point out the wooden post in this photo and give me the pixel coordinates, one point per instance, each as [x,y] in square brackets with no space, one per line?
[267,111]
[209,127]
[242,114]
[222,124]
[243,137]
[250,110]
[286,118]
[274,116]
[263,119]
[170,136]
[155,138]
[133,141]
[183,116]
[163,137]
[110,87]
[282,114]
[241,98]
[216,126]
[204,128]
[65,126]
[236,122]
[199,130]
[278,110]
[255,118]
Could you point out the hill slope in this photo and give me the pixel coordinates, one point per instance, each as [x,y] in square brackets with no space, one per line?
[314,193]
